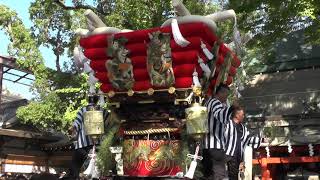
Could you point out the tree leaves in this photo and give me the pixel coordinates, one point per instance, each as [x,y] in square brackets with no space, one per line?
[271,20]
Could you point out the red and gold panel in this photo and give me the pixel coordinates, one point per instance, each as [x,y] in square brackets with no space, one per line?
[151,157]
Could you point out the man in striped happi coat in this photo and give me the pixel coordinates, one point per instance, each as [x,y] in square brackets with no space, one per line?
[214,142]
[83,142]
[237,137]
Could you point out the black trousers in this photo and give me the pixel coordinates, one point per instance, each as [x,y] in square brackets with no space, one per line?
[78,158]
[214,164]
[233,167]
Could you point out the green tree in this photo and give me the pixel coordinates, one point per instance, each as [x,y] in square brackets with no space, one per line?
[59,94]
[270,20]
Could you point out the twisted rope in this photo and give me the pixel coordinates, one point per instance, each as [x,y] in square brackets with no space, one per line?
[151,131]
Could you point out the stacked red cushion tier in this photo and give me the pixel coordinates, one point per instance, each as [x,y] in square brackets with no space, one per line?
[184,59]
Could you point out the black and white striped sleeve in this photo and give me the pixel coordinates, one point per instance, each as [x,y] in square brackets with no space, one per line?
[105,117]
[223,114]
[250,140]
[78,121]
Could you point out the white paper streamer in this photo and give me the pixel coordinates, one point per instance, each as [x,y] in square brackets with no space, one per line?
[194,163]
[205,50]
[244,74]
[204,67]
[92,169]
[195,79]
[177,36]
[311,152]
[289,147]
[268,151]
[118,151]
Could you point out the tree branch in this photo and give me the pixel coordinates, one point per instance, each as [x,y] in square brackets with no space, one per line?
[81,6]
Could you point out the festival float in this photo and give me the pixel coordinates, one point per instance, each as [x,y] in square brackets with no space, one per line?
[155,81]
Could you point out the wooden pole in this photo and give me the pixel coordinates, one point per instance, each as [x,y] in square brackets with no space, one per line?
[248,162]
[1,78]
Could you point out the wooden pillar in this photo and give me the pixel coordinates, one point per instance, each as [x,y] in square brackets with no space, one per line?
[265,173]
[1,166]
[46,162]
[1,78]
[248,162]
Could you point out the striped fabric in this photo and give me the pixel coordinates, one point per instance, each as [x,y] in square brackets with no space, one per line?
[218,117]
[246,139]
[82,139]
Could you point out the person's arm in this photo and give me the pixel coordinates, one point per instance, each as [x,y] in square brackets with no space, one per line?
[77,122]
[215,107]
[105,117]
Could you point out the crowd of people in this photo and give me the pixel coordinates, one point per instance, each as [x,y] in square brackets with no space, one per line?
[227,138]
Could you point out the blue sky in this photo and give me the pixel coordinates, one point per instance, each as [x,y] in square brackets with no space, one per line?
[21,7]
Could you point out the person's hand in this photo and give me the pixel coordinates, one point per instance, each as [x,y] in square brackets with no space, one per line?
[242,167]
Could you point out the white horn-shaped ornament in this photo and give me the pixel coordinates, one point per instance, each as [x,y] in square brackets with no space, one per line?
[82,32]
[126,30]
[195,79]
[94,20]
[204,67]
[192,19]
[222,16]
[206,51]
[108,30]
[177,36]
[90,26]
[179,8]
